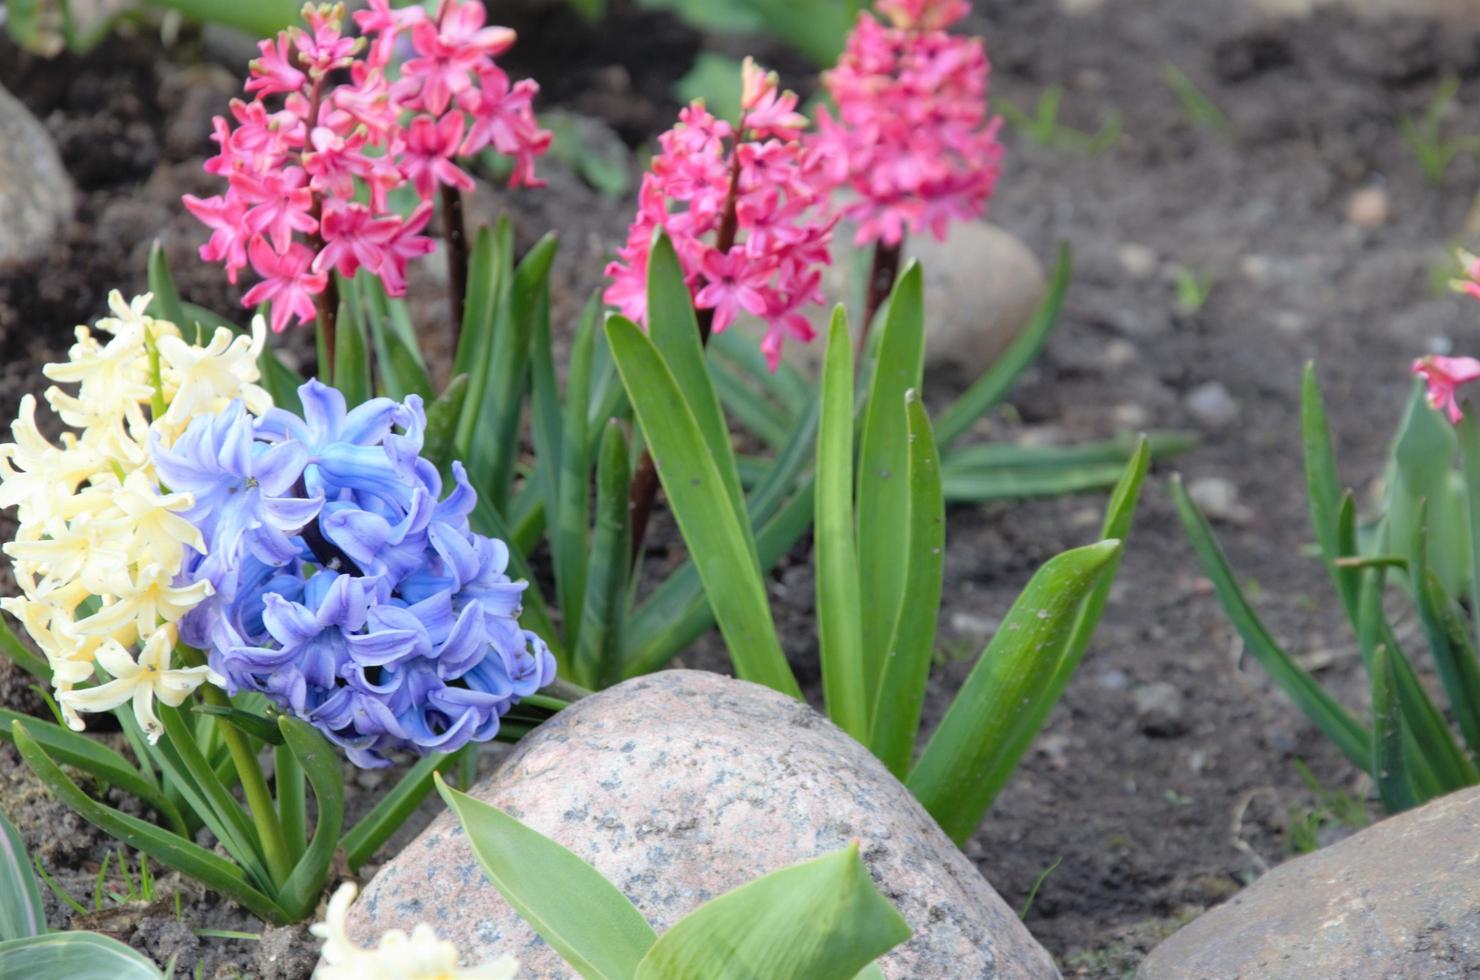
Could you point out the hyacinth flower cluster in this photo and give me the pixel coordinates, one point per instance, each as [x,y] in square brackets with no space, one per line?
[342,585]
[333,126]
[912,140]
[743,207]
[101,547]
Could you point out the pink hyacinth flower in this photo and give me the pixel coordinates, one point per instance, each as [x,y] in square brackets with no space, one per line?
[1444,377]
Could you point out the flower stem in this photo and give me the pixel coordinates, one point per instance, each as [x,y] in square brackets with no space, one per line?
[254,785]
[455,232]
[881,275]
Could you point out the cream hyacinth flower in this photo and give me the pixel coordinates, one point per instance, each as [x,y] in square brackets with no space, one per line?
[100,544]
[419,956]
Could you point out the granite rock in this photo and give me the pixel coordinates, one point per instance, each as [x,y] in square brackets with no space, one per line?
[682,785]
[1400,899]
[36,195]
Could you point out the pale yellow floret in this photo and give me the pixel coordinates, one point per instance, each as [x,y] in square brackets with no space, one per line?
[141,681]
[419,956]
[205,379]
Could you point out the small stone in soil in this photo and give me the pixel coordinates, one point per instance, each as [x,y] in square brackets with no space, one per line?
[1160,709]
[1212,405]
[1217,497]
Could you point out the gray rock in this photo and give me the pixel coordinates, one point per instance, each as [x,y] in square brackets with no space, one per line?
[1212,405]
[1400,899]
[36,195]
[981,287]
[683,785]
[1160,709]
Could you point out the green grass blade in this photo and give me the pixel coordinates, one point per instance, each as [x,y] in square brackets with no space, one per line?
[901,692]
[75,955]
[21,912]
[568,535]
[989,390]
[883,468]
[823,919]
[593,926]
[839,626]
[1354,740]
[167,848]
[1390,772]
[968,760]
[604,609]
[392,810]
[674,332]
[714,531]
[320,763]
[1119,450]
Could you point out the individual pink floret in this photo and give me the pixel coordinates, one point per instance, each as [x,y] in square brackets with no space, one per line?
[1444,377]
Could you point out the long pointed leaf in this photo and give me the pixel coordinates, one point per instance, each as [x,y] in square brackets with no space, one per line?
[839,626]
[901,693]
[584,918]
[1323,488]
[717,537]
[883,472]
[1354,740]
[75,955]
[604,608]
[568,536]
[823,919]
[968,760]
[1456,666]
[1393,782]
[320,763]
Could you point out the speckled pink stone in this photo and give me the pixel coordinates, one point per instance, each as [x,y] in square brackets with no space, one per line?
[683,785]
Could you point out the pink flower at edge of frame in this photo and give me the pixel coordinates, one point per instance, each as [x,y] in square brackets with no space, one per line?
[1444,376]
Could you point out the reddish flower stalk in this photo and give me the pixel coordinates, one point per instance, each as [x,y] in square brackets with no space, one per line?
[312,159]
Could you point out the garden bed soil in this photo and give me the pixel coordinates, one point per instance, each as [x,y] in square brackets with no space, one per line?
[1145,817]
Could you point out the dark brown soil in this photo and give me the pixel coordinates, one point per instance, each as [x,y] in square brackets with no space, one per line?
[1144,821]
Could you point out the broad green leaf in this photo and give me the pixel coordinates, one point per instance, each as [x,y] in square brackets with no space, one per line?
[94,758]
[1391,774]
[167,848]
[290,790]
[321,764]
[251,724]
[489,268]
[1422,470]
[901,693]
[823,919]
[717,537]
[839,622]
[442,416]
[604,608]
[969,759]
[546,421]
[75,956]
[21,911]
[166,303]
[713,79]
[392,810]
[568,535]
[260,18]
[584,918]
[674,331]
[1354,740]
[989,390]
[883,473]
